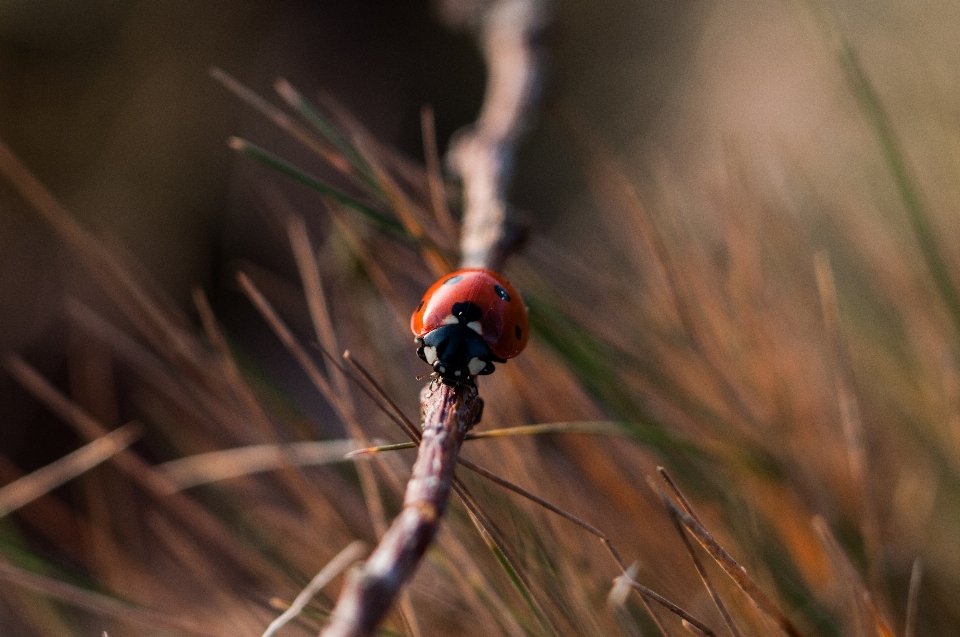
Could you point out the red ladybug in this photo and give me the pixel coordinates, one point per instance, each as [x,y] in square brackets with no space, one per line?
[467,321]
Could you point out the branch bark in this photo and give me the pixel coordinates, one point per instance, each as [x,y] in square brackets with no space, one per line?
[449,412]
[482,156]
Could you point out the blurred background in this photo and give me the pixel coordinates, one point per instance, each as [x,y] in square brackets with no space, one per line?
[737,129]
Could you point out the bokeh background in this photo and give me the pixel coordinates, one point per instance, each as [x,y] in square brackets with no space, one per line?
[704,107]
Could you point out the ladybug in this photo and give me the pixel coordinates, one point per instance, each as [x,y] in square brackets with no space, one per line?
[466,322]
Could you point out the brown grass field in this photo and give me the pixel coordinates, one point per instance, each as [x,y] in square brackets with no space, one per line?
[763,299]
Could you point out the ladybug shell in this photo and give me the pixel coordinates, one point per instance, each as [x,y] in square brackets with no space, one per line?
[503,323]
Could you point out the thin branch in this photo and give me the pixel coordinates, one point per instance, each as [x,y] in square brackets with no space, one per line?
[448,413]
[482,158]
[483,154]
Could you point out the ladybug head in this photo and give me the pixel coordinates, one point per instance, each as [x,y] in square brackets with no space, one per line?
[456,350]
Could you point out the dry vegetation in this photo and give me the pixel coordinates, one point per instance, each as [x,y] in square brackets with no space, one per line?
[793,363]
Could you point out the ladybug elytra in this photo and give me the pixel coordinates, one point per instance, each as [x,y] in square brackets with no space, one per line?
[467,321]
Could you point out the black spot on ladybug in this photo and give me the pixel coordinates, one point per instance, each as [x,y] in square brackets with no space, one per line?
[501,293]
[518,332]
[453,279]
[420,307]
[467,312]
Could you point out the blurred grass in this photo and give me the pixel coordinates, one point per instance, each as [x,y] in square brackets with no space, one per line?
[713,340]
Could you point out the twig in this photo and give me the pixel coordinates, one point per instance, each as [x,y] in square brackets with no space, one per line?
[448,413]
[482,157]
[483,154]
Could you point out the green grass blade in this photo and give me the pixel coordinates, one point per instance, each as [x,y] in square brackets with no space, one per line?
[917,213]
[284,167]
[328,130]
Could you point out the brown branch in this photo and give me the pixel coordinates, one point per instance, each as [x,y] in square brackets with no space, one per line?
[482,158]
[483,154]
[448,413]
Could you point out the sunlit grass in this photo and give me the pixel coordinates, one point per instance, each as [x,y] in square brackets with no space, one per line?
[801,392]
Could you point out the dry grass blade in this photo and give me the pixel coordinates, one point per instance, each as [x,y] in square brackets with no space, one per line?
[617,602]
[83,423]
[100,604]
[622,586]
[323,327]
[701,571]
[411,216]
[43,480]
[319,380]
[588,427]
[153,322]
[496,544]
[289,341]
[334,567]
[354,163]
[438,197]
[849,408]
[238,386]
[913,599]
[503,482]
[643,590]
[192,515]
[736,572]
[282,120]
[647,595]
[868,618]
[378,394]
[332,194]
[580,427]
[213,466]
[368,451]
